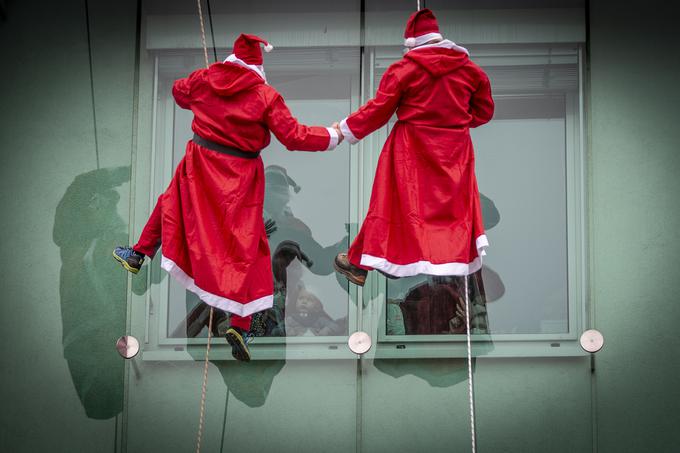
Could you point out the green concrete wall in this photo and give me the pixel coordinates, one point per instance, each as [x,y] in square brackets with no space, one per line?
[634,165]
[66,201]
[64,204]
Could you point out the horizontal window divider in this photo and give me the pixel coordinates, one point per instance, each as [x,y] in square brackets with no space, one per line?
[259,352]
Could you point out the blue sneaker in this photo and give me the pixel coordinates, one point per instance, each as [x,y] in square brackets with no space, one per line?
[128,258]
[238,339]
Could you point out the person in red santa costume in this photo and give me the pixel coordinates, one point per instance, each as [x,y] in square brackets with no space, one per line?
[424,215]
[209,219]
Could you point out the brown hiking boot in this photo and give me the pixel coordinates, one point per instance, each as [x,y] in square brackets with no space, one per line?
[354,274]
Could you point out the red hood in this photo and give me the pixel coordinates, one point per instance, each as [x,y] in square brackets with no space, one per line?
[227,79]
[438,61]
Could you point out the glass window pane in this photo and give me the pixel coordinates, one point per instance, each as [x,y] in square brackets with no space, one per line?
[306,194]
[521,165]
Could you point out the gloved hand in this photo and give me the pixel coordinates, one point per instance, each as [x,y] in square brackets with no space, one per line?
[269,227]
[336,126]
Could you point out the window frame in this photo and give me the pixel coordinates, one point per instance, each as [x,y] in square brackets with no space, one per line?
[159,345]
[369,315]
[501,345]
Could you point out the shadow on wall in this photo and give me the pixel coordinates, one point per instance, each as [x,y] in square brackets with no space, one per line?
[92,289]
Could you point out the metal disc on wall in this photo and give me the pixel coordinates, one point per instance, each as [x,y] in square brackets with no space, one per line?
[591,340]
[127,346]
[359,342]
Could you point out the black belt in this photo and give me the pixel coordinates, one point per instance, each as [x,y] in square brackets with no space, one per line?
[224,149]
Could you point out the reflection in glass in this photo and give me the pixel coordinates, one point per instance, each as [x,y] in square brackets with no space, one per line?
[297,311]
[287,265]
[301,308]
[433,305]
[308,317]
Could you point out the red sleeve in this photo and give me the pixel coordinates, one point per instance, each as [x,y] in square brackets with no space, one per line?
[481,103]
[295,136]
[181,89]
[376,112]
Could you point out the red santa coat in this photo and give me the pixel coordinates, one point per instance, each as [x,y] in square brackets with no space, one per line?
[424,215]
[213,234]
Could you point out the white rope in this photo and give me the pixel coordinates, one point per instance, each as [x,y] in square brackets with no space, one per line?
[204,386]
[469,357]
[205,46]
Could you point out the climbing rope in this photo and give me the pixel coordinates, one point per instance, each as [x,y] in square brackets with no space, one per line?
[469,360]
[205,46]
[204,386]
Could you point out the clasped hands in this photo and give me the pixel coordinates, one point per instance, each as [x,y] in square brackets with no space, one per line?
[336,126]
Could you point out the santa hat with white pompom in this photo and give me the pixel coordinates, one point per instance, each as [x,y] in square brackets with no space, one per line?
[421,28]
[247,49]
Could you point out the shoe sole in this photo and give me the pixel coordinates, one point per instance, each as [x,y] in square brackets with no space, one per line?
[238,348]
[124,263]
[348,275]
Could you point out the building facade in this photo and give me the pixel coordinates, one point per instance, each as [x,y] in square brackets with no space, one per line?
[577,172]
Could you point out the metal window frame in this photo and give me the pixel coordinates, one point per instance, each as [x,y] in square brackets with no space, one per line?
[369,314]
[501,345]
[158,344]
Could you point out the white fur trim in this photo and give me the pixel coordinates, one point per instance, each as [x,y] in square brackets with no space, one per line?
[446,44]
[258,69]
[237,308]
[333,142]
[268,48]
[426,267]
[414,41]
[347,132]
[482,243]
